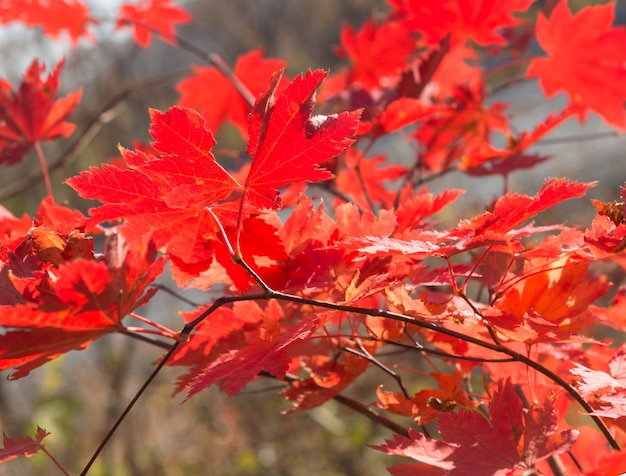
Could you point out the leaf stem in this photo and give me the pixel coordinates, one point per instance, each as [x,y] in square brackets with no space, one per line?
[44,169]
[54,460]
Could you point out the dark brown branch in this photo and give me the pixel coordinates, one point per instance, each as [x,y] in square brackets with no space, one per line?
[129,407]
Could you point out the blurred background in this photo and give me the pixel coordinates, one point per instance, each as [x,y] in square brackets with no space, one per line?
[79,396]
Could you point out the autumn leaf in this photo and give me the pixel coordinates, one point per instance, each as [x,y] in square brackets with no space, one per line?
[287,144]
[513,209]
[216,98]
[511,439]
[32,114]
[465,124]
[266,349]
[22,446]
[152,16]
[378,53]
[63,298]
[557,290]
[478,20]
[163,198]
[328,377]
[586,59]
[367,179]
[55,16]
[605,391]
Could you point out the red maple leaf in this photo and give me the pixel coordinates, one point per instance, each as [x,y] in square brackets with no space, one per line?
[555,295]
[378,53]
[22,446]
[265,349]
[329,376]
[287,144]
[55,16]
[32,114]
[513,209]
[511,439]
[152,16]
[478,20]
[586,59]
[63,298]
[163,198]
[467,122]
[366,179]
[606,392]
[216,98]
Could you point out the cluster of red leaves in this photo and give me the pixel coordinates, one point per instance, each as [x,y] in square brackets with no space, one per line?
[57,294]
[314,294]
[72,18]
[514,439]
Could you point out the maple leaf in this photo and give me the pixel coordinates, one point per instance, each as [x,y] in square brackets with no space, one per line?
[513,209]
[220,324]
[477,20]
[163,198]
[464,124]
[152,16]
[209,91]
[286,144]
[31,114]
[22,446]
[266,349]
[559,291]
[606,392]
[378,53]
[511,439]
[329,376]
[63,298]
[365,181]
[415,208]
[55,16]
[426,405]
[484,159]
[586,59]
[457,69]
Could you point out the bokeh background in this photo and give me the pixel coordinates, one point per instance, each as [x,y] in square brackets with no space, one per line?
[79,396]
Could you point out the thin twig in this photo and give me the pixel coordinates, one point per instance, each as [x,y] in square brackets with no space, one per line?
[370,358]
[360,408]
[129,407]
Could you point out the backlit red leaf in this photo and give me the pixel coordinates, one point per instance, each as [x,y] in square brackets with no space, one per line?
[63,298]
[512,439]
[586,59]
[378,53]
[163,198]
[32,114]
[55,16]
[216,98]
[477,20]
[152,16]
[287,144]
[22,446]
